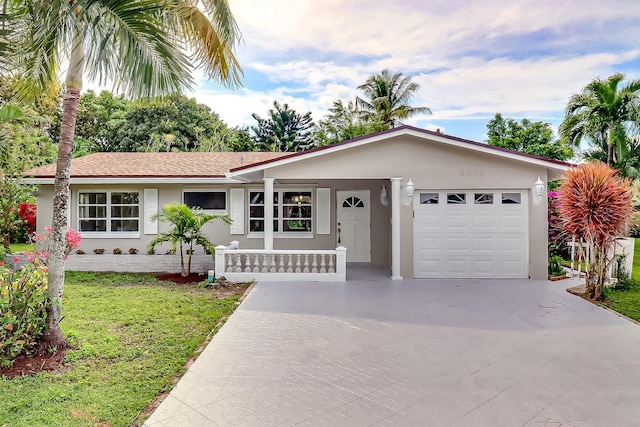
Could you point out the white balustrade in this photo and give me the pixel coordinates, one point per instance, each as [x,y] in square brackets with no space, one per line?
[280,265]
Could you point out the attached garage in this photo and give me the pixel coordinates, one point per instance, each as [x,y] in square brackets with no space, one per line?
[471,234]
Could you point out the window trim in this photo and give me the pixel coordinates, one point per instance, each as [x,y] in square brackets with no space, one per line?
[281,234]
[210,190]
[109,234]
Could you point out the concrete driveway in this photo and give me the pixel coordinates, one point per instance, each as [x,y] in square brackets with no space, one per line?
[413,353]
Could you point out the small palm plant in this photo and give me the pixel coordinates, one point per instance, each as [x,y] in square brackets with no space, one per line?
[595,205]
[186,231]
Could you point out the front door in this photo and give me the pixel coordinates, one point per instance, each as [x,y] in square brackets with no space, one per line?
[354,224]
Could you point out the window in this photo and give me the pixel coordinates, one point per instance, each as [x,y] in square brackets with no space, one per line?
[206,200]
[483,198]
[456,198]
[429,198]
[292,211]
[511,198]
[109,212]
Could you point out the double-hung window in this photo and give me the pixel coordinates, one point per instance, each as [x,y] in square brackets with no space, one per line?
[292,212]
[109,212]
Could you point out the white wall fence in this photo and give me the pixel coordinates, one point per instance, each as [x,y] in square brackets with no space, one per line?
[280,265]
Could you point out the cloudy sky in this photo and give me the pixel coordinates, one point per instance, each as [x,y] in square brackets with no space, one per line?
[472,58]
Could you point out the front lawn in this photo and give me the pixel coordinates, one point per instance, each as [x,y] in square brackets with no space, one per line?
[130,335]
[627,301]
[21,247]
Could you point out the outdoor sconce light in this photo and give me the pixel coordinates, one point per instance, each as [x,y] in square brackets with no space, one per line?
[384,196]
[538,188]
[409,189]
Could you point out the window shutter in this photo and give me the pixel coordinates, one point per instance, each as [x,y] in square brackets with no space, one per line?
[323,211]
[150,208]
[236,210]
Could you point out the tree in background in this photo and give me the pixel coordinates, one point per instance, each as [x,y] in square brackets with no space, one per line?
[173,123]
[146,48]
[284,130]
[98,121]
[595,206]
[604,115]
[529,137]
[344,122]
[387,97]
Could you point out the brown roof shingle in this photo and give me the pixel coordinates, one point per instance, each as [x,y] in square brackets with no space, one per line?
[175,165]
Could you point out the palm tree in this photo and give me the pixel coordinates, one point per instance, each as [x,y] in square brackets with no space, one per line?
[187,230]
[145,47]
[603,115]
[387,98]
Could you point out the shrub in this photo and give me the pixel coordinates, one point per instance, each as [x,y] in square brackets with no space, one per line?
[23,309]
[595,204]
[27,214]
[555,266]
[133,251]
[43,242]
[117,251]
[98,251]
[80,252]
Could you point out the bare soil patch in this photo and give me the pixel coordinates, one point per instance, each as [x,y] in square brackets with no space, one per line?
[31,365]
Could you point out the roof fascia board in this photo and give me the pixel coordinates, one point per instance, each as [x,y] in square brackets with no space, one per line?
[140,180]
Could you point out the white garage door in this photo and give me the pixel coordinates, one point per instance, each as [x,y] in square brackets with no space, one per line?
[471,234]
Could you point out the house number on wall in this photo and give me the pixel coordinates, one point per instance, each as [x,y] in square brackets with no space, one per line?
[471,172]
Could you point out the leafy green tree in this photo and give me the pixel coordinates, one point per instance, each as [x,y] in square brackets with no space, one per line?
[240,139]
[186,231]
[387,97]
[145,47]
[344,122]
[604,115]
[529,137]
[192,126]
[98,121]
[283,130]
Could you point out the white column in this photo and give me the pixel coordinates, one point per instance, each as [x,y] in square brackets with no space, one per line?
[395,228]
[268,213]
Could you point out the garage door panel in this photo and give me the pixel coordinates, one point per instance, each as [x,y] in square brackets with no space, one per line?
[484,221]
[471,240]
[456,222]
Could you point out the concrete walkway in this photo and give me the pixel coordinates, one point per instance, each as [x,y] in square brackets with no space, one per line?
[413,353]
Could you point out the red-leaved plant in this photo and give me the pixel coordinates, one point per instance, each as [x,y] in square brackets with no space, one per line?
[595,204]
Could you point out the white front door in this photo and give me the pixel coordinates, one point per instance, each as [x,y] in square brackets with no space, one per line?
[354,224]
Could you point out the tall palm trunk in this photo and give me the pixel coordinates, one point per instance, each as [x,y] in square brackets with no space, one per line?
[610,147]
[52,337]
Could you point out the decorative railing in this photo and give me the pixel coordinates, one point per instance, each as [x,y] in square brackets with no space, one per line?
[280,265]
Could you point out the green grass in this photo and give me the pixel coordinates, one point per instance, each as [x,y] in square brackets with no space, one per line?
[21,247]
[131,334]
[627,301]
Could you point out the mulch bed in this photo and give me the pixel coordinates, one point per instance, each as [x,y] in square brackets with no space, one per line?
[178,278]
[31,365]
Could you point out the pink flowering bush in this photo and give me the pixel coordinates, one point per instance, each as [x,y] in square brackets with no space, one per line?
[23,309]
[557,239]
[43,242]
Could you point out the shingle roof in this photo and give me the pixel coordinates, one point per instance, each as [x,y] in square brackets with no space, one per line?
[159,165]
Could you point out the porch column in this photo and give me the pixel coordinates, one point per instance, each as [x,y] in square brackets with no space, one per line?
[395,228]
[268,213]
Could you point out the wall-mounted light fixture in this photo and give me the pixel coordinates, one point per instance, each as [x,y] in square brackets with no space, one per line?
[384,196]
[538,189]
[409,188]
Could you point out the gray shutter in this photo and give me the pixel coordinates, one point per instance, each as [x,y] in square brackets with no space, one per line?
[323,211]
[236,210]
[150,208]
